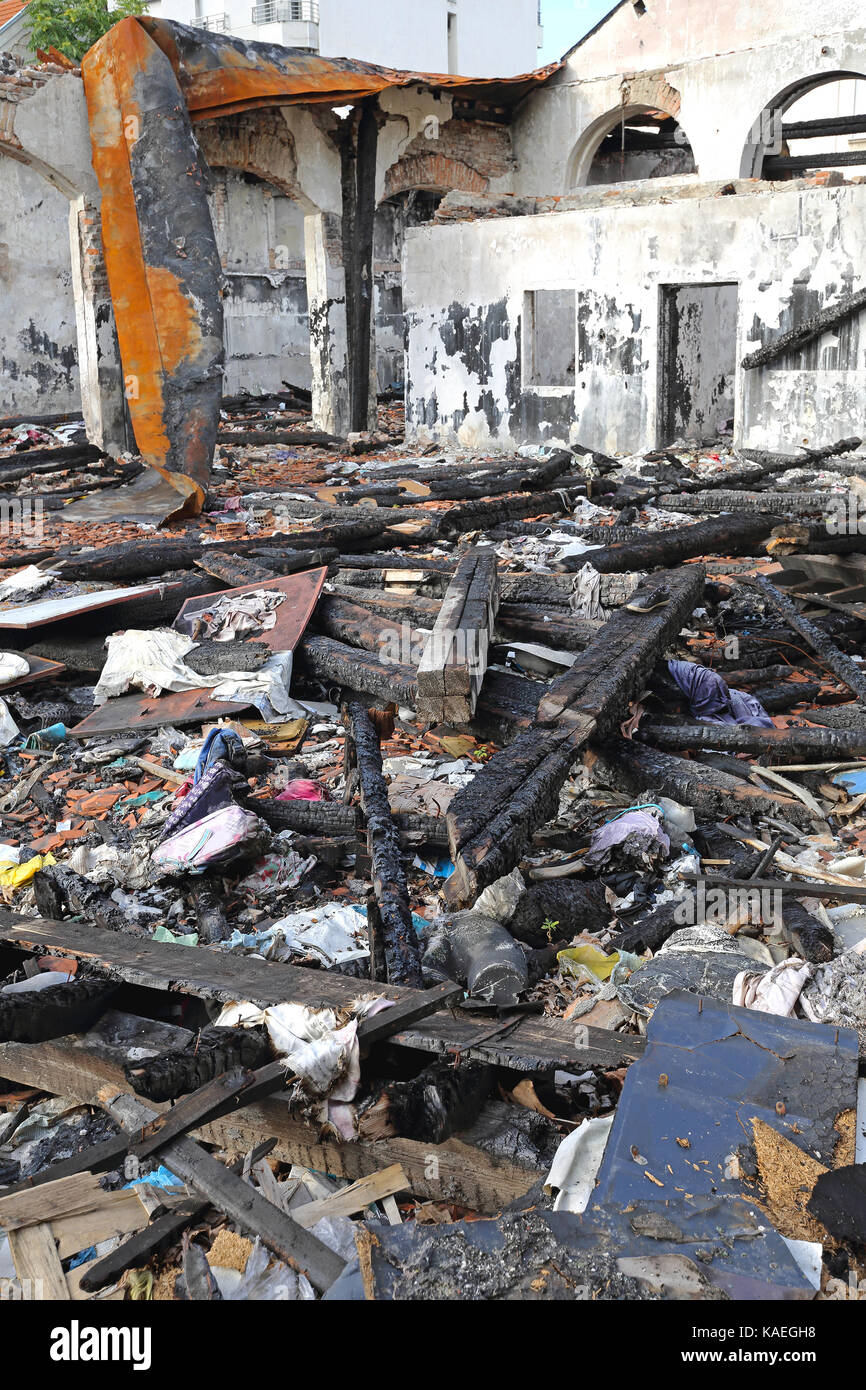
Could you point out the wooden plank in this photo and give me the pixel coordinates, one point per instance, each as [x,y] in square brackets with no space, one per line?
[534,1045]
[38,1263]
[454,660]
[162,1231]
[354,1198]
[237,1199]
[215,1098]
[80,1067]
[400,1016]
[120,1214]
[65,1197]
[208,974]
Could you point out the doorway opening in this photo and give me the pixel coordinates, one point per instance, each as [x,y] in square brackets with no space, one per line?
[697,379]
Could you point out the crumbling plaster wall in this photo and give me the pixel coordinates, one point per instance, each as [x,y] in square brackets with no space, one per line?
[44,129]
[791,251]
[714,68]
[41,174]
[38,352]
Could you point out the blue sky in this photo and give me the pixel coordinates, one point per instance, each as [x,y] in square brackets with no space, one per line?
[566,21]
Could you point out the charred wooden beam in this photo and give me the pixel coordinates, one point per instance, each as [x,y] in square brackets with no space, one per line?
[336,664]
[490,821]
[452,666]
[349,622]
[814,326]
[516,622]
[786,694]
[777,166]
[212,1052]
[71,456]
[331,819]
[799,888]
[133,561]
[841,665]
[72,1006]
[233,570]
[741,535]
[739,738]
[431,564]
[632,767]
[402,955]
[780,463]
[400,607]
[720,500]
[59,889]
[480,515]
[808,937]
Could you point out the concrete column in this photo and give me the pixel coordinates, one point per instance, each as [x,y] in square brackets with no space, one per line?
[326,294]
[99,367]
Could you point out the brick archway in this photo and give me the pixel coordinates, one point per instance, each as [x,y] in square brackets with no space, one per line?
[254,142]
[639,95]
[434,171]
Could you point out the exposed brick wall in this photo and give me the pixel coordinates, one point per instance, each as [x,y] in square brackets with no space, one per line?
[652,90]
[467,155]
[259,142]
[94,276]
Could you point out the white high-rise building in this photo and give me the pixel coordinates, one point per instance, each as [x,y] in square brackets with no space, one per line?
[476,38]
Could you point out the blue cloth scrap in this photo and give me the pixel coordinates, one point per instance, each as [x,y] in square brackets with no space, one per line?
[220,743]
[712,700]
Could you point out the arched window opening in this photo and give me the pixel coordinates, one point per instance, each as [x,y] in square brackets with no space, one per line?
[645,145]
[818,124]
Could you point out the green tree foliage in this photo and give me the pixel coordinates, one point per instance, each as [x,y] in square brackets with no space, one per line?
[73,26]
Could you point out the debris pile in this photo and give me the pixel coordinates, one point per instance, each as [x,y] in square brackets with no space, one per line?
[416,838]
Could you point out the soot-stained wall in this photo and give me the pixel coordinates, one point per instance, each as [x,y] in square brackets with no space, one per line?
[465,294]
[38,346]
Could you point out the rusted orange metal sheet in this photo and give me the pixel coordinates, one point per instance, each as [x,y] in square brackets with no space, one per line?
[219,75]
[146,81]
[160,253]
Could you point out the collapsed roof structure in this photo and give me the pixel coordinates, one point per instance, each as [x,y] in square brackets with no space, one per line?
[458,787]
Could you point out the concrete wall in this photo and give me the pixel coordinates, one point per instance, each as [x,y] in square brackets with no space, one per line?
[38,347]
[715,67]
[260,235]
[791,251]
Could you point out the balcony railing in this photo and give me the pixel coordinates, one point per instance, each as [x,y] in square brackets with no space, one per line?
[286,12]
[219,23]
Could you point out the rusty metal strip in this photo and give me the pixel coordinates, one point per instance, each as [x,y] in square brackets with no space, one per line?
[145,82]
[161,256]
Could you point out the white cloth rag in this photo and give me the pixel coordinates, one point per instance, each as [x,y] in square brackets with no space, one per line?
[774,991]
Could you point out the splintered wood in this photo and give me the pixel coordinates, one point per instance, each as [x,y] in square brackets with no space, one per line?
[455,658]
